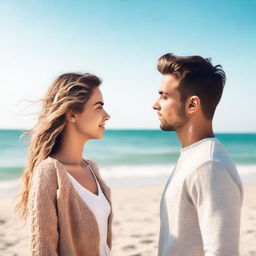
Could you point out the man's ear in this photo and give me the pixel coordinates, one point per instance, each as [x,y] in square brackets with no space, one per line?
[193,104]
[70,116]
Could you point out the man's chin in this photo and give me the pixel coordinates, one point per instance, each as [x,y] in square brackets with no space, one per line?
[166,128]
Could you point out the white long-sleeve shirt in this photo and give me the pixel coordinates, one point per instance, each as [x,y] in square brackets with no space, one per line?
[201,204]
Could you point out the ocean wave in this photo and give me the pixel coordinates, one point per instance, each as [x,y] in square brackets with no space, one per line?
[126,171]
[245,170]
[157,170]
[9,184]
[139,171]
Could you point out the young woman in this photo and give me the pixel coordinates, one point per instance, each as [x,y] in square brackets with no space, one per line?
[63,194]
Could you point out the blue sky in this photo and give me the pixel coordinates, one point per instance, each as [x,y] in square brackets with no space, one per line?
[121,41]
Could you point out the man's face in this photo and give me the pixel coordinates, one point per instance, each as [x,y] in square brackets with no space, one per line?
[170,108]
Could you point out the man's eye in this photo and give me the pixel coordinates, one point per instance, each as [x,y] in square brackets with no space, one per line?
[164,97]
[100,107]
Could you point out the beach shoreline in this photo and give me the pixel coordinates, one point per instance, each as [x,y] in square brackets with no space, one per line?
[135,223]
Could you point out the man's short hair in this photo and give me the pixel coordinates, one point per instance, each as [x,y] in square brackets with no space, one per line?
[197,76]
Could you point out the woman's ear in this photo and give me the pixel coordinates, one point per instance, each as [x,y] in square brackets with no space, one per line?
[70,116]
[193,104]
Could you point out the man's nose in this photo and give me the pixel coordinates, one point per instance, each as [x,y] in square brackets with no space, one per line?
[156,106]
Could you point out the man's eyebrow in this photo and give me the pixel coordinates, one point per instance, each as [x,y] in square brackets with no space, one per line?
[163,93]
[99,102]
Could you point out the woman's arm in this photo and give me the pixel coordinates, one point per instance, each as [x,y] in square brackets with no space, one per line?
[43,212]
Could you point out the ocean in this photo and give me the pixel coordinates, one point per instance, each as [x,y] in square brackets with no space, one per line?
[129,157]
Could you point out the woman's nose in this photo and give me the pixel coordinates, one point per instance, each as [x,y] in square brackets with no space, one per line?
[107,116]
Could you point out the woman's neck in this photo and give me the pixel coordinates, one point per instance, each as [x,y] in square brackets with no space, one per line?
[71,149]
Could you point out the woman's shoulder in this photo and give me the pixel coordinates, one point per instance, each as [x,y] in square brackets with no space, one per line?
[46,169]
[90,162]
[48,163]
[93,165]
[95,169]
[44,178]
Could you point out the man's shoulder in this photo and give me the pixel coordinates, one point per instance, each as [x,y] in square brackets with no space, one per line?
[214,171]
[212,160]
[212,151]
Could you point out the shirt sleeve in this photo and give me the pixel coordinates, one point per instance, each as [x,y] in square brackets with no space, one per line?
[217,196]
[43,213]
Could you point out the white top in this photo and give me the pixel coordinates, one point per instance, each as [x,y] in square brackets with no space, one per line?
[100,207]
[201,204]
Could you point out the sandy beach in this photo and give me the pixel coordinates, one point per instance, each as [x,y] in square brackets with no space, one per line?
[135,226]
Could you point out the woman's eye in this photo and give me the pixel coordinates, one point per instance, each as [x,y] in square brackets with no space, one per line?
[100,107]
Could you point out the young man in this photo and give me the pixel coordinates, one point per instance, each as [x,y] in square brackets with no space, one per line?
[201,203]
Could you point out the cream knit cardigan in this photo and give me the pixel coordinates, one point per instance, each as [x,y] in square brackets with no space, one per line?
[61,223]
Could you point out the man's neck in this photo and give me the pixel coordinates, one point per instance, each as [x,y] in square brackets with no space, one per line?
[193,133]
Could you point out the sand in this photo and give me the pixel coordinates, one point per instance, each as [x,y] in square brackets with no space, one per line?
[135,225]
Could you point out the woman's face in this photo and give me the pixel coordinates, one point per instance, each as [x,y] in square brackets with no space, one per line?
[91,121]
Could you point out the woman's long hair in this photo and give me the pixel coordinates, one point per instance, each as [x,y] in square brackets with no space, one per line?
[69,91]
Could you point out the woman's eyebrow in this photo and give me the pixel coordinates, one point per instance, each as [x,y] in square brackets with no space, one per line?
[99,102]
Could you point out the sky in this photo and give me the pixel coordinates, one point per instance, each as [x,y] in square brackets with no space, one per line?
[120,41]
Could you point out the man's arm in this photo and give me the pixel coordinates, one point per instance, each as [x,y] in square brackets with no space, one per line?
[217,197]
